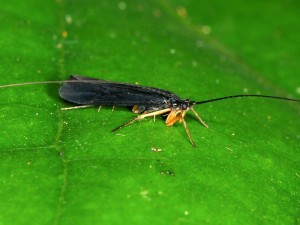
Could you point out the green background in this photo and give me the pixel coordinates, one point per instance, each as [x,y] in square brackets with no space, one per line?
[66,167]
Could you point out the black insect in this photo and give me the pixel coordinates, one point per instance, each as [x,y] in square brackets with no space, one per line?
[147,101]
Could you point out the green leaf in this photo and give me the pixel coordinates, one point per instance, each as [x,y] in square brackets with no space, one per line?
[66,167]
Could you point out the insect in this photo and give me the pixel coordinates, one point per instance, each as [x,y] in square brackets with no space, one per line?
[146,101]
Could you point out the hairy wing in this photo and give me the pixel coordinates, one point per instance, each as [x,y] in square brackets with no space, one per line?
[100,92]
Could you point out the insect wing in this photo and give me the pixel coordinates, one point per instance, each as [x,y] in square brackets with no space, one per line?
[100,92]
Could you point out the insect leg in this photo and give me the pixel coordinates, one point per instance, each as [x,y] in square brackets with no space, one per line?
[142,117]
[187,131]
[125,124]
[199,118]
[76,107]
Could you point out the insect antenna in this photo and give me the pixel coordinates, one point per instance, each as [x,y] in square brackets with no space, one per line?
[49,82]
[241,96]
[36,82]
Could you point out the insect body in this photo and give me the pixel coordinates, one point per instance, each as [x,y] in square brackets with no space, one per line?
[147,101]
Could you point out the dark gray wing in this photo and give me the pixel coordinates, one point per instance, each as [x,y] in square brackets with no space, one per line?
[92,91]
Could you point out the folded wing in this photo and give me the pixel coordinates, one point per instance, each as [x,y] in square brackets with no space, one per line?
[89,91]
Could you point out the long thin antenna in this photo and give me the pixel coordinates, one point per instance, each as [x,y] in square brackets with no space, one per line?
[241,96]
[50,82]
[37,82]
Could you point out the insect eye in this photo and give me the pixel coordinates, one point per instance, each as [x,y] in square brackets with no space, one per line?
[184,106]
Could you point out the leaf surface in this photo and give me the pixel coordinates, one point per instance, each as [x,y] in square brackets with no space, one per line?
[66,167]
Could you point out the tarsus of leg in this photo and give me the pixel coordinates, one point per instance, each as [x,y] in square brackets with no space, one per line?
[187,131]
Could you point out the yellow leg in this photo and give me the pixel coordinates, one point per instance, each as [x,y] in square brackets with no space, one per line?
[187,131]
[199,118]
[142,117]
